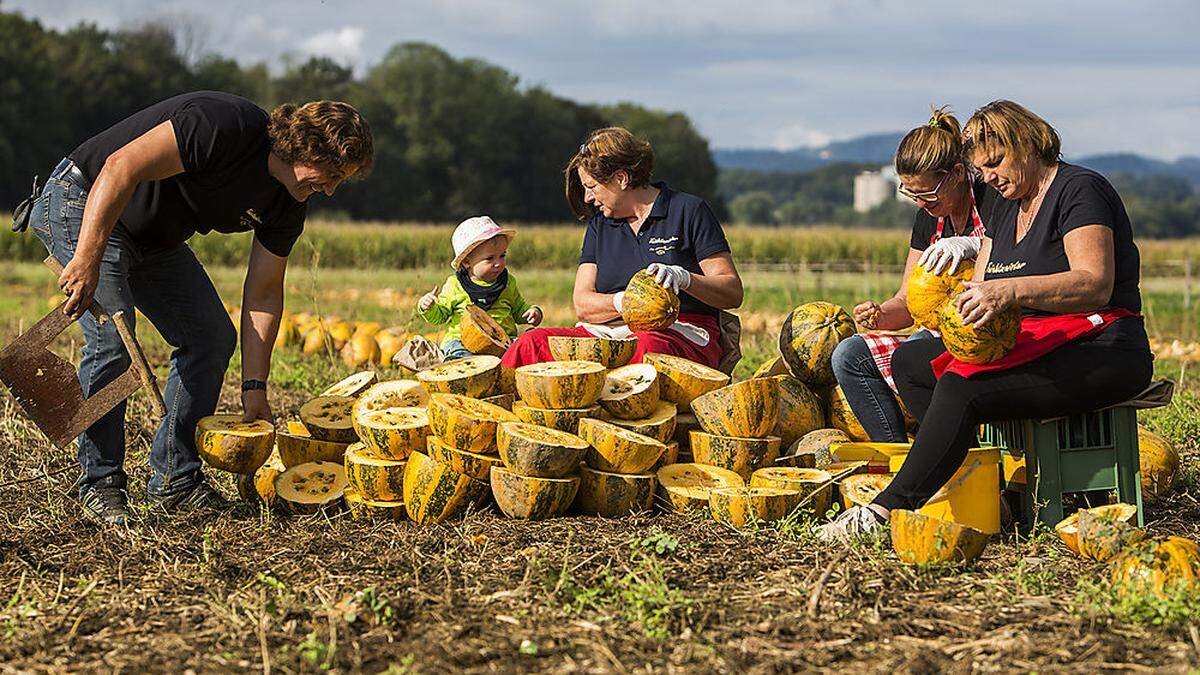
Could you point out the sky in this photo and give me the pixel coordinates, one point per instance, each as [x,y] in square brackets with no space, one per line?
[1110,75]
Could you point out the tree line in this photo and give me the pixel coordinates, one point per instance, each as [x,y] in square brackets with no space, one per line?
[453,137]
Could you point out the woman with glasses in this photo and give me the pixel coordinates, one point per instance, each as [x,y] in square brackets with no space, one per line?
[1060,247]
[947,230]
[634,224]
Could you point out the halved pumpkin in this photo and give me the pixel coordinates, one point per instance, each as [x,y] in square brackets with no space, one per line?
[466,423]
[814,485]
[659,424]
[560,384]
[740,455]
[618,450]
[608,352]
[919,539]
[393,433]
[563,420]
[685,487]
[329,418]
[630,392]
[746,409]
[529,497]
[738,506]
[352,385]
[681,380]
[1067,529]
[226,442]
[539,452]
[862,489]
[308,488]
[613,495]
[473,376]
[481,334]
[473,464]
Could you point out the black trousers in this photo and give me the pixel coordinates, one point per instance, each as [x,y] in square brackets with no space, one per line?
[1073,379]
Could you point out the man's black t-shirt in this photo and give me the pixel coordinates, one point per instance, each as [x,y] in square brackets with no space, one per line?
[925,225]
[1077,197]
[681,230]
[224,187]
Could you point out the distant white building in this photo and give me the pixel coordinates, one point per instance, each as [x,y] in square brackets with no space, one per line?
[872,188]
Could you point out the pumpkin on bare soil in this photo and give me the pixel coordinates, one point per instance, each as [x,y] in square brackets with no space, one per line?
[809,335]
[434,492]
[530,497]
[362,508]
[614,495]
[1158,566]
[1159,464]
[1103,534]
[919,539]
[481,334]
[814,485]
[647,305]
[739,506]
[685,487]
[1068,528]
[309,488]
[259,487]
[925,292]
[226,442]
[986,344]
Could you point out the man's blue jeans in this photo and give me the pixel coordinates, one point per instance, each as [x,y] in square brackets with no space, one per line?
[869,396]
[171,288]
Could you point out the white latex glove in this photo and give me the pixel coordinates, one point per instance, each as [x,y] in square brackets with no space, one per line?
[944,255]
[618,300]
[671,277]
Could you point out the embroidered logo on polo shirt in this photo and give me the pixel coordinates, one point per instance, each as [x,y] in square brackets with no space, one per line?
[250,219]
[660,245]
[1005,268]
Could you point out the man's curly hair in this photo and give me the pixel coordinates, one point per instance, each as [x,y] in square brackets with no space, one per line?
[328,133]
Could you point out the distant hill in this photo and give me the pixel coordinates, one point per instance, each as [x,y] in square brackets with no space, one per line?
[880,148]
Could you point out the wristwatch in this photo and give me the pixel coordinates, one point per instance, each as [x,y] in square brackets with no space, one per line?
[250,385]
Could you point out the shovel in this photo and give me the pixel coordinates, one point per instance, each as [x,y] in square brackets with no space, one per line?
[46,386]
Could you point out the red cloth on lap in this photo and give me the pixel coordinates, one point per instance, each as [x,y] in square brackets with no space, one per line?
[1039,336]
[534,345]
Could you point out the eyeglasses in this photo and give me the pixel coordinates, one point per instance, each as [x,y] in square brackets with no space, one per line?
[930,197]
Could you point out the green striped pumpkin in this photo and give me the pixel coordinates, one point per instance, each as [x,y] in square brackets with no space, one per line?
[532,498]
[380,480]
[433,492]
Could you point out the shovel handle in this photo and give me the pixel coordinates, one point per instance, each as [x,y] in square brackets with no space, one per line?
[136,356]
[57,267]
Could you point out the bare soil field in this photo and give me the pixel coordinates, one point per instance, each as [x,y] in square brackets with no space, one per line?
[246,591]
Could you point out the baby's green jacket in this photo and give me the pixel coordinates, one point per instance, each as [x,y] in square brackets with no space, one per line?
[452,301]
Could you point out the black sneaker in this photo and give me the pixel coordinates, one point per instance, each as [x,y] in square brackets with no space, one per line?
[106,505]
[200,496]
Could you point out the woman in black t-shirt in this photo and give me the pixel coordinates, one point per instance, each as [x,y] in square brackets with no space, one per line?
[946,232]
[1061,248]
[117,212]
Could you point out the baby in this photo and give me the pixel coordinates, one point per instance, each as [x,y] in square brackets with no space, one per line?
[480,277]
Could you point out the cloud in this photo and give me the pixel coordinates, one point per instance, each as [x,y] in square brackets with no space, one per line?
[770,73]
[344,45]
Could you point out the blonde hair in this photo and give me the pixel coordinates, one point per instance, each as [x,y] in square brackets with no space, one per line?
[1010,126]
[935,146]
[604,153]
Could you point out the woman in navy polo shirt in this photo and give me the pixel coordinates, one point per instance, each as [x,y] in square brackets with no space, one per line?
[633,224]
